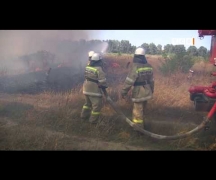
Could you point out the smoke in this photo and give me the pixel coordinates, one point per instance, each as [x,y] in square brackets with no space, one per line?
[100,48]
[19,42]
[16,43]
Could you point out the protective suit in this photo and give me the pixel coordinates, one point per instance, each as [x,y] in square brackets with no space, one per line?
[142,80]
[95,80]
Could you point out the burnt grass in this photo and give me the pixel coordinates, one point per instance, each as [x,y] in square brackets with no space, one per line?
[60,80]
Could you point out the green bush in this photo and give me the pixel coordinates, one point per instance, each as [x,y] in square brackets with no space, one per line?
[176,62]
[198,59]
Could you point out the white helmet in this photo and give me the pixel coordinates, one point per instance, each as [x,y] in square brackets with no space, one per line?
[140,51]
[90,53]
[96,57]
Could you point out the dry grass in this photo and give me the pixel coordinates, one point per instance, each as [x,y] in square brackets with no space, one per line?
[51,121]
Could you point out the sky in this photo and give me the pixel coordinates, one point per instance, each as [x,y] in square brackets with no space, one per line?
[163,37]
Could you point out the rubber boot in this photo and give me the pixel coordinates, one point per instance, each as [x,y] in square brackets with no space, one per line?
[94,119]
[85,115]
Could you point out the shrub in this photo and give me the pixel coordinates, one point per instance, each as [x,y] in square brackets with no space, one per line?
[178,62]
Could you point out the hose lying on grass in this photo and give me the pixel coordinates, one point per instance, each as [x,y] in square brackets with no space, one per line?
[157,136]
[150,134]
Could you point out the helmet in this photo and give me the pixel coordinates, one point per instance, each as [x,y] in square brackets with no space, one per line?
[90,53]
[140,51]
[96,57]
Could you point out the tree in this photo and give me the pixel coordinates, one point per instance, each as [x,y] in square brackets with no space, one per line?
[202,51]
[125,46]
[192,51]
[146,47]
[169,48]
[132,49]
[159,49]
[114,46]
[153,48]
[179,49]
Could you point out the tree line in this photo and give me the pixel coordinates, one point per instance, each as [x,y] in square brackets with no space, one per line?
[124,46]
[73,49]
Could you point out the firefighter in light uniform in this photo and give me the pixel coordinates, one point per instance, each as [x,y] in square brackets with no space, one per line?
[95,80]
[141,78]
[90,55]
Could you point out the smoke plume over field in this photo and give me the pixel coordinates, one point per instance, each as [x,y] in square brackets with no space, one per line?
[64,44]
[29,54]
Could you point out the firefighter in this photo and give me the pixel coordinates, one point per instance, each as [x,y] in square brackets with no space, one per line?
[95,80]
[90,55]
[141,78]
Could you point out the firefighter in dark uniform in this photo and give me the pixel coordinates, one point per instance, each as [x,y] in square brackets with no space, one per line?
[142,80]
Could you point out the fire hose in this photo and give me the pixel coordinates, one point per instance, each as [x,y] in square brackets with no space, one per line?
[148,133]
[157,136]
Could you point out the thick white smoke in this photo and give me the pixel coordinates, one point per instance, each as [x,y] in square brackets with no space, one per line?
[16,43]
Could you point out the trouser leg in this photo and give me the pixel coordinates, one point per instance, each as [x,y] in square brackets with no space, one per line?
[96,109]
[144,107]
[138,114]
[144,114]
[86,109]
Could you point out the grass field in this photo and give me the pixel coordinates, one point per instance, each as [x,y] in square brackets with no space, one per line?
[51,121]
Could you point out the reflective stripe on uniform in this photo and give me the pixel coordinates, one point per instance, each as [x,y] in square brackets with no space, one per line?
[129,81]
[92,94]
[144,69]
[141,99]
[102,80]
[91,68]
[95,113]
[86,107]
[138,121]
